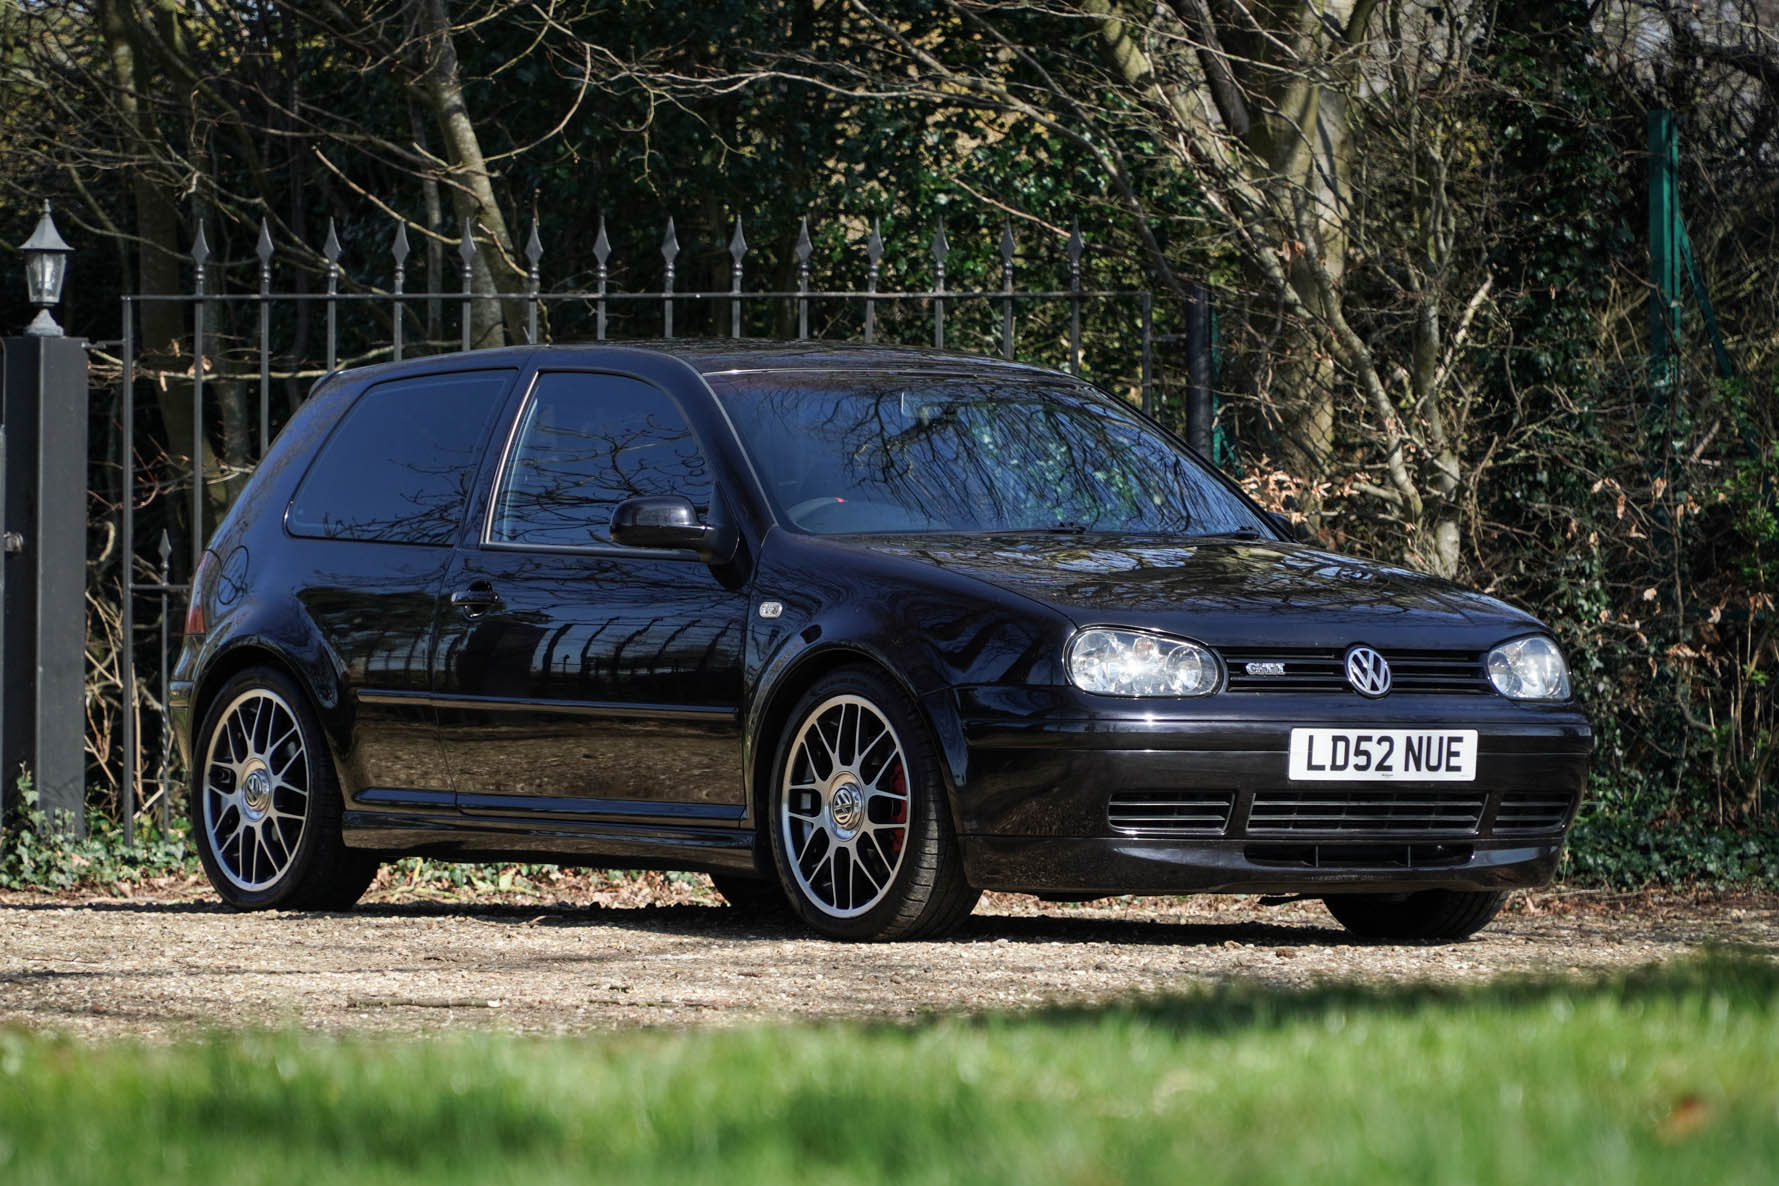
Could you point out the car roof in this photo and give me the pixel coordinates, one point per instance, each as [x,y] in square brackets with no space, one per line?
[728,356]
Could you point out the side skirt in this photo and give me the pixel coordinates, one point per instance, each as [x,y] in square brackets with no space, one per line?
[596,844]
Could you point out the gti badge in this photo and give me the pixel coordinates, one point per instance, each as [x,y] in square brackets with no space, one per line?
[1367,672]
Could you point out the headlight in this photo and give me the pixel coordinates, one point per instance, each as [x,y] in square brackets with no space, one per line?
[1131,663]
[1529,669]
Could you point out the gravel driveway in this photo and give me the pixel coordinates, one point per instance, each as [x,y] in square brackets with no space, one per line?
[595,954]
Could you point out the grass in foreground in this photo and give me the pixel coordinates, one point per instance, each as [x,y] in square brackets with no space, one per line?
[1668,1076]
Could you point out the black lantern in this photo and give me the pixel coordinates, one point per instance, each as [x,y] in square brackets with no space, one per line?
[46,265]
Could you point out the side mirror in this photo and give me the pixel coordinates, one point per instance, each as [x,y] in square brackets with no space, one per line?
[670,522]
[1292,529]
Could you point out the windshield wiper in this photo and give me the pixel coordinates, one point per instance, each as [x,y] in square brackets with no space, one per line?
[1065,527]
[1238,533]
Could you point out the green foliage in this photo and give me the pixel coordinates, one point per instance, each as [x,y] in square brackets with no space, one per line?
[1614,847]
[36,855]
[1637,522]
[1657,1077]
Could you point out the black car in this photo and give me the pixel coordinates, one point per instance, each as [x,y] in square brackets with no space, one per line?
[868,630]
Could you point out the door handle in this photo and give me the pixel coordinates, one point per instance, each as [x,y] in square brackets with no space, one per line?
[476,600]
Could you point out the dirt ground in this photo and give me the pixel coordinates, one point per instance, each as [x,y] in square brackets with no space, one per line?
[597,953]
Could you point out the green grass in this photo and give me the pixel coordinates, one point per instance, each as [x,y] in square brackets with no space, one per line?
[1669,1076]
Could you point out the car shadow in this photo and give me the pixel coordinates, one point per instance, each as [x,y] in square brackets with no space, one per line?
[716,921]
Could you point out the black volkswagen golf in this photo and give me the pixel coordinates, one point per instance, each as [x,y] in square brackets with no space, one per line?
[865,631]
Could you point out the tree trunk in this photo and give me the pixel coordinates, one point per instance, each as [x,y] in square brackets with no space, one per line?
[496,268]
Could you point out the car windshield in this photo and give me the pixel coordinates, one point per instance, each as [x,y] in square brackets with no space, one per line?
[848,453]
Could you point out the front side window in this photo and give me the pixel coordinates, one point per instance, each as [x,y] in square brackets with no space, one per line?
[399,466]
[855,452]
[585,443]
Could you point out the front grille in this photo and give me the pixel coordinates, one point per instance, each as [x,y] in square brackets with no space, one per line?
[1321,669]
[1170,813]
[1365,810]
[1533,811]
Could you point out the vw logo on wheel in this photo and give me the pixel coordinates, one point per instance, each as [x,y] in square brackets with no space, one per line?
[1368,672]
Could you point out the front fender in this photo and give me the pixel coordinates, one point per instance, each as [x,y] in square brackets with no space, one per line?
[929,630]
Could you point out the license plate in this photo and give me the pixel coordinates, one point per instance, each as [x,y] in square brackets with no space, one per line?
[1385,755]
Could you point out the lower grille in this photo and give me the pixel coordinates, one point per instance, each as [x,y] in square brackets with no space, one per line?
[1365,811]
[1358,856]
[1318,669]
[1171,813]
[1533,811]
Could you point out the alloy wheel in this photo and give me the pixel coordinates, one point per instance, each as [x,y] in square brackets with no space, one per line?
[256,790]
[844,806]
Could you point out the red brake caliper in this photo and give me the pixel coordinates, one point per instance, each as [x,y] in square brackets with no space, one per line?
[901,816]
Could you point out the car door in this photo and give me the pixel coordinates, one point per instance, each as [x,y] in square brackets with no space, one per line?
[576,678]
[371,528]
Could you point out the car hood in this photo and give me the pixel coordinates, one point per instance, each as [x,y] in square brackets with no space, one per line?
[1228,592]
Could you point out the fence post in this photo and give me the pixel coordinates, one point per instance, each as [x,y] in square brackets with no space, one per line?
[1076,246]
[669,253]
[874,255]
[1007,251]
[804,249]
[737,249]
[940,250]
[1198,368]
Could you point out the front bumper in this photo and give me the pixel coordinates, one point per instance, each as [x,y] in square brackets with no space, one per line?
[1064,793]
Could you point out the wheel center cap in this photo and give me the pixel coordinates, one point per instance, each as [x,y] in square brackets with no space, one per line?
[256,791]
[847,806]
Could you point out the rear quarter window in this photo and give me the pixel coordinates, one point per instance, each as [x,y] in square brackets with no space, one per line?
[399,465]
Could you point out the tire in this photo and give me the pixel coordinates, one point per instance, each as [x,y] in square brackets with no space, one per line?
[751,895]
[1444,915]
[861,829]
[265,803]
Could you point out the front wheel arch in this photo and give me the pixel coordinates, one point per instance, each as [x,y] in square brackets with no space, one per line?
[833,795]
[805,671]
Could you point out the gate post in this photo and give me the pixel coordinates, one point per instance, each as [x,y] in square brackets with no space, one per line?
[43,415]
[1199,412]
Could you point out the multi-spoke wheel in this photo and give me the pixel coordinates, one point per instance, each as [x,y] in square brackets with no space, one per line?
[860,830]
[265,804]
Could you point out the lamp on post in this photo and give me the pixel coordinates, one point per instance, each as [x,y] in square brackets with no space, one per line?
[44,401]
[46,266]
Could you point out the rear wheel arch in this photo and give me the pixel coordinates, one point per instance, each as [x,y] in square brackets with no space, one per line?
[245,655]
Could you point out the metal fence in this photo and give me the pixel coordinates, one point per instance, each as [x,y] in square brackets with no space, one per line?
[603,305]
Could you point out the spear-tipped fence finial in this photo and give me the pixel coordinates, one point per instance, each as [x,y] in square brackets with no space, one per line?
[200,255]
[264,251]
[399,249]
[534,253]
[669,253]
[602,254]
[804,249]
[466,250]
[737,249]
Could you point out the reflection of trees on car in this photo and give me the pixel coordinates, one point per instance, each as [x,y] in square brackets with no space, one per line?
[969,455]
[587,443]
